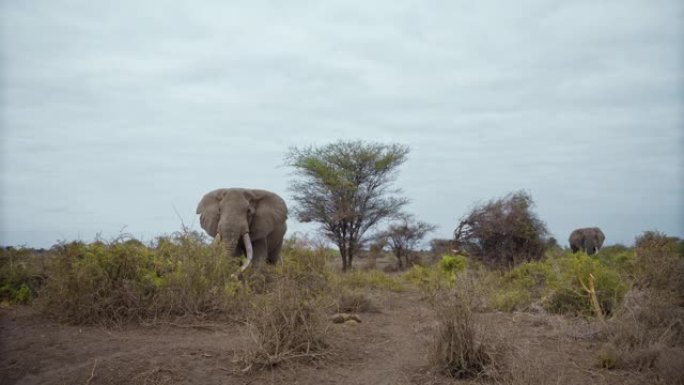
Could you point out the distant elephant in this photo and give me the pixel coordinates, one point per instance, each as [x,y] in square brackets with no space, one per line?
[250,222]
[588,239]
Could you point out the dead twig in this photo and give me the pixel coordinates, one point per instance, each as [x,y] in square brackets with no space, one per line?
[92,373]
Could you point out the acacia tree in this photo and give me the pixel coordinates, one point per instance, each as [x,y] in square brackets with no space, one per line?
[503,232]
[346,187]
[403,238]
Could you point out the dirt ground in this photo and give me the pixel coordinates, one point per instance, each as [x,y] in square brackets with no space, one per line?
[387,347]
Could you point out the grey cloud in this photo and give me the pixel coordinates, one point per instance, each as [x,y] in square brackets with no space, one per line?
[122,111]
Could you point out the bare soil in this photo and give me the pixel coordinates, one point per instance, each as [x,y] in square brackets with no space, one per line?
[387,347]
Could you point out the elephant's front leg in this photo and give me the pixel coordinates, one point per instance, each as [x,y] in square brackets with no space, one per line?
[259,246]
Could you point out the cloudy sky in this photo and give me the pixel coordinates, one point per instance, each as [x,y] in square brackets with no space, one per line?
[119,116]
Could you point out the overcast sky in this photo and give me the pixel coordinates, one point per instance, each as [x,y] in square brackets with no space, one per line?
[115,115]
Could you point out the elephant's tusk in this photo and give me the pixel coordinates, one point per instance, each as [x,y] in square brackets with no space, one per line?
[217,238]
[248,249]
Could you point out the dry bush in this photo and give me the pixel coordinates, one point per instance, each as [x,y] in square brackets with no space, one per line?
[455,351]
[646,334]
[503,232]
[354,301]
[670,366]
[522,368]
[285,324]
[458,347]
[658,262]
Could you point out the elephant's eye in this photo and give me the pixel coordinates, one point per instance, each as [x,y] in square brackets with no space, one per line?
[250,211]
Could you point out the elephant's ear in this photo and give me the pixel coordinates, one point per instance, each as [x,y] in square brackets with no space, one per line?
[270,213]
[208,209]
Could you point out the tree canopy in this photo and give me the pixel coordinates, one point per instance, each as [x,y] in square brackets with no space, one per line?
[404,237]
[346,187]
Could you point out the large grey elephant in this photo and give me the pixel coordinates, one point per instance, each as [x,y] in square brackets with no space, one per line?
[588,239]
[250,222]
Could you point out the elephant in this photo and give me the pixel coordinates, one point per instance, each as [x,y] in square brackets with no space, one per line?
[588,239]
[249,222]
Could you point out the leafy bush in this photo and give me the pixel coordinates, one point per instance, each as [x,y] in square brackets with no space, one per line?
[527,283]
[618,257]
[503,232]
[511,299]
[571,296]
[193,278]
[439,276]
[560,285]
[452,264]
[98,282]
[370,279]
[125,281]
[21,275]
[427,278]
[308,263]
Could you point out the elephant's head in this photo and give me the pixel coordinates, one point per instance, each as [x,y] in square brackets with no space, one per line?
[237,217]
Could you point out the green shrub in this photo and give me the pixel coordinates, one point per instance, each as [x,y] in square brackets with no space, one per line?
[195,279]
[619,258]
[125,281]
[510,299]
[570,295]
[525,284]
[21,275]
[438,276]
[98,283]
[308,264]
[428,279]
[452,264]
[558,283]
[370,279]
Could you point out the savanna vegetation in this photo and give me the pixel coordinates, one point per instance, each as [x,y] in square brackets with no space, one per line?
[500,303]
[627,298]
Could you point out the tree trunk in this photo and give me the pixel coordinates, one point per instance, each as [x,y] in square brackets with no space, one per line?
[343,253]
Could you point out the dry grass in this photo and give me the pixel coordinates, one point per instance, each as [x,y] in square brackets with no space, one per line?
[285,324]
[520,368]
[646,334]
[456,349]
[355,301]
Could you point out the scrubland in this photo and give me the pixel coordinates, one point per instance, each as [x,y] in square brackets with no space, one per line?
[174,311]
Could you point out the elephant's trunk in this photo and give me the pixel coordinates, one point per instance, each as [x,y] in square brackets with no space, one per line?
[232,247]
[248,250]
